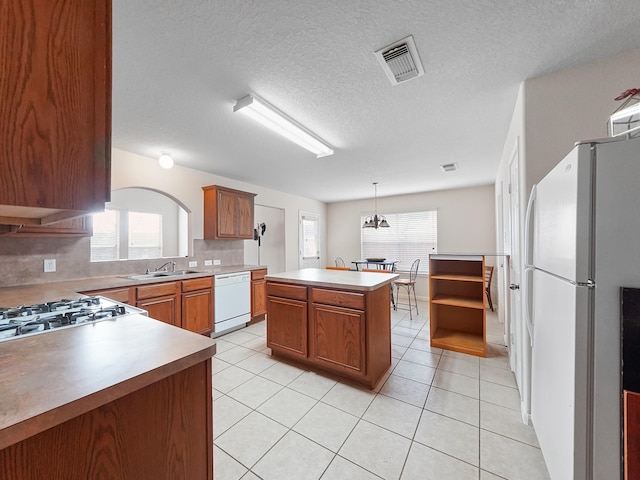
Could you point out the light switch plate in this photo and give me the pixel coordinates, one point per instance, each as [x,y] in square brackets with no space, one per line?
[49,265]
[207,263]
[193,264]
[216,262]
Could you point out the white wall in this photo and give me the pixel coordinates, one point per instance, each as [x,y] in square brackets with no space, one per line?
[184,184]
[573,105]
[466,222]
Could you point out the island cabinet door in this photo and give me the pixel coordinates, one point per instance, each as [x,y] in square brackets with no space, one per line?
[287,326]
[337,338]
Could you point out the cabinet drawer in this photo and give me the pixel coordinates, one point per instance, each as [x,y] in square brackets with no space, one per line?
[116,294]
[157,290]
[340,299]
[197,284]
[294,292]
[258,274]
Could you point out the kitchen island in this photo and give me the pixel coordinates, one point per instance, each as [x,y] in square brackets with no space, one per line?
[331,320]
[124,398]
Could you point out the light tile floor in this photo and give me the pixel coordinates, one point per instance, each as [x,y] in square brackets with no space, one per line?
[436,415]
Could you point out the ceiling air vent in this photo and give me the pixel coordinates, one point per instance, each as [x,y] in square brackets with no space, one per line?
[400,61]
[449,167]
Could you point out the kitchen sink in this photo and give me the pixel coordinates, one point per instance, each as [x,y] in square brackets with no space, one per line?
[150,275]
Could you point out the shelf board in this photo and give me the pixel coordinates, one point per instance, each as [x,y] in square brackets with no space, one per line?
[458,277]
[457,341]
[454,301]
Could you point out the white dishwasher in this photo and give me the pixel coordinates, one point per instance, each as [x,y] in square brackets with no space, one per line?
[232,301]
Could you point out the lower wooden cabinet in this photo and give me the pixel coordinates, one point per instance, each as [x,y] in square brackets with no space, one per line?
[161,301]
[197,305]
[258,295]
[631,435]
[163,430]
[347,333]
[187,303]
[339,338]
[287,326]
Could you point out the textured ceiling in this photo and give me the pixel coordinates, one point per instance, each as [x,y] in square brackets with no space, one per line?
[179,66]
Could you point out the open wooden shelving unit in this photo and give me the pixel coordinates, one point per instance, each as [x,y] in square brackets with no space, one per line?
[457,303]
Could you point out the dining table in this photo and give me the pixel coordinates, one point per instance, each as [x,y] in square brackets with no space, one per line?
[377,264]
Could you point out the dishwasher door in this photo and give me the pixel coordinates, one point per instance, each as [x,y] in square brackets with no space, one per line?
[232,301]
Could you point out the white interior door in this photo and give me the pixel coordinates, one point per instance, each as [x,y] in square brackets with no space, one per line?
[309,243]
[270,249]
[518,341]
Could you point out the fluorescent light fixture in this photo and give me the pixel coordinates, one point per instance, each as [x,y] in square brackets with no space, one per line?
[165,161]
[272,118]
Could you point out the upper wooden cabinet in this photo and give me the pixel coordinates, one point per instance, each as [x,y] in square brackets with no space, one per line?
[73,227]
[228,213]
[55,127]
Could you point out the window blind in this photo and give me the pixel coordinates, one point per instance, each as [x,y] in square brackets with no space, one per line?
[105,243]
[411,235]
[145,235]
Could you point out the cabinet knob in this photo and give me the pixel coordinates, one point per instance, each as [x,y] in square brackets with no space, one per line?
[514,286]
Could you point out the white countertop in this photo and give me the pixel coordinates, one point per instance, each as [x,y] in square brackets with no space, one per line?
[345,279]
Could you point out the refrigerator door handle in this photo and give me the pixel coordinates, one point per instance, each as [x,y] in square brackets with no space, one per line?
[528,230]
[526,299]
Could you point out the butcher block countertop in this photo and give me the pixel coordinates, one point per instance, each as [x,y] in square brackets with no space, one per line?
[50,378]
[341,279]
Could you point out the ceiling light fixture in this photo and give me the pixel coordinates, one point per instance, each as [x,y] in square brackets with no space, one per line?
[375,221]
[272,118]
[165,161]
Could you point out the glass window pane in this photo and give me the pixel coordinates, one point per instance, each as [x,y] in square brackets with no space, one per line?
[105,240]
[411,235]
[145,235]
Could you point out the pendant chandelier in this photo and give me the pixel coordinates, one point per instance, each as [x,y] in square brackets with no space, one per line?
[375,221]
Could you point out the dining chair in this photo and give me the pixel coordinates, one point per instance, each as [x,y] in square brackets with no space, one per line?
[410,285]
[340,262]
[488,275]
[382,270]
[331,267]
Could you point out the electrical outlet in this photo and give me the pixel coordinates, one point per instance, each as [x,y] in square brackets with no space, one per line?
[208,263]
[193,264]
[49,264]
[216,262]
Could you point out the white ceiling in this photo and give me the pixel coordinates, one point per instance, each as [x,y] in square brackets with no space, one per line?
[179,66]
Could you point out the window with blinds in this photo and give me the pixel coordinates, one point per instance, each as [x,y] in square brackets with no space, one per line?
[105,242]
[145,235]
[410,236]
[120,234]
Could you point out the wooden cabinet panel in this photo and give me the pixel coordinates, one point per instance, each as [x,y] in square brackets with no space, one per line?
[244,222]
[124,295]
[194,284]
[165,309]
[338,338]
[258,294]
[294,292]
[197,311]
[74,227]
[164,430]
[55,128]
[287,326]
[228,213]
[338,298]
[156,290]
[631,435]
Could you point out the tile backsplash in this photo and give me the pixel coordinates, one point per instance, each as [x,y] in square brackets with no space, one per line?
[22,259]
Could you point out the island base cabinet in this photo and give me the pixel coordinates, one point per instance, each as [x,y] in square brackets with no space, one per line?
[162,431]
[339,338]
[287,326]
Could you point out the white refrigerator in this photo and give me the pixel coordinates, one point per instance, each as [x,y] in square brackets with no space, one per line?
[583,244]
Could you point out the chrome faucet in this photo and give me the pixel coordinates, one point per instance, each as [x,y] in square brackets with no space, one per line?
[163,267]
